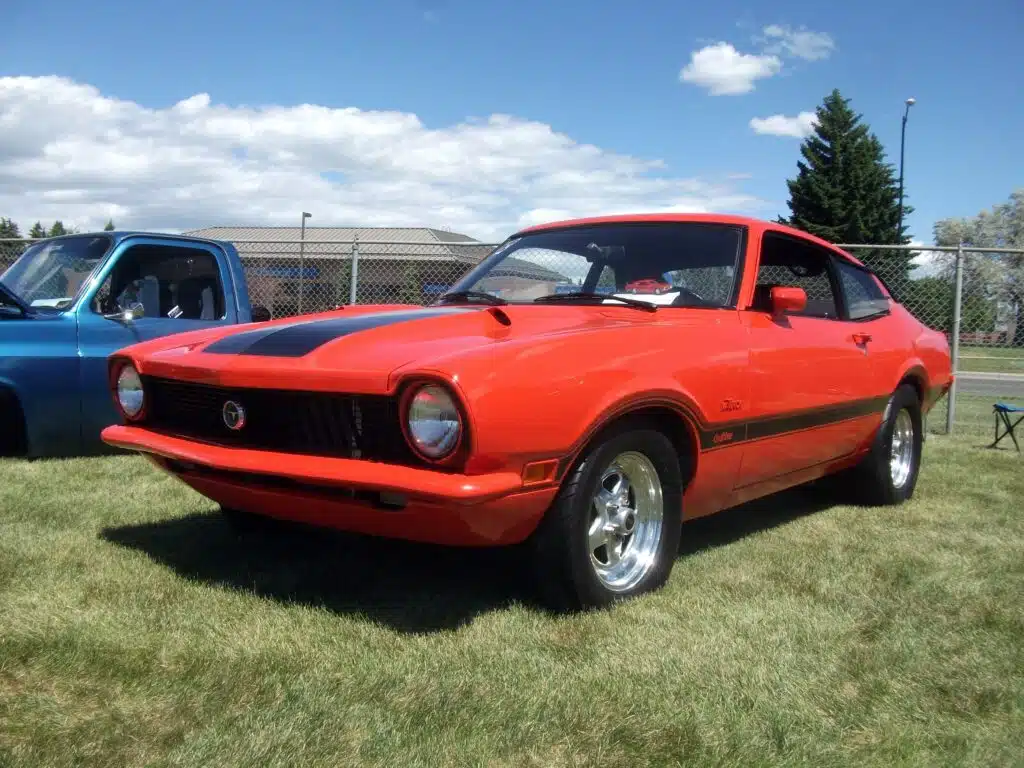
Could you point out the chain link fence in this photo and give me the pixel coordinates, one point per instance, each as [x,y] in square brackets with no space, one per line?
[975,296]
[299,277]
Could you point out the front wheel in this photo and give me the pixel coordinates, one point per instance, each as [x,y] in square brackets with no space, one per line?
[613,531]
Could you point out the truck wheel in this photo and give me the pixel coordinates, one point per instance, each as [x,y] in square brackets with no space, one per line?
[12,425]
[613,530]
[887,475]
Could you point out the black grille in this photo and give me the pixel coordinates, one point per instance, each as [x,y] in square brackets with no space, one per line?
[286,421]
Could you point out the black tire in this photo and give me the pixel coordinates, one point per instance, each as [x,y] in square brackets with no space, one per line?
[872,477]
[561,557]
[12,425]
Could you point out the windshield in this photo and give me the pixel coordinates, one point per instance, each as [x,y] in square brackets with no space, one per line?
[49,275]
[680,264]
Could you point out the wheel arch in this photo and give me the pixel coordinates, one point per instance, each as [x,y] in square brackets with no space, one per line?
[917,377]
[13,426]
[676,420]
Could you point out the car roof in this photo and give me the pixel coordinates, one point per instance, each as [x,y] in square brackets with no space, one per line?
[712,218]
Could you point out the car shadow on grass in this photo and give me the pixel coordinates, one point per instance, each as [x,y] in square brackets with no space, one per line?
[405,586]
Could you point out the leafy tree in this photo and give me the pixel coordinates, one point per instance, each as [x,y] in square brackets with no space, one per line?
[998,276]
[931,300]
[37,232]
[846,192]
[109,227]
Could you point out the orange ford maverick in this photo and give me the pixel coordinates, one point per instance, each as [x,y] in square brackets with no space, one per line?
[586,388]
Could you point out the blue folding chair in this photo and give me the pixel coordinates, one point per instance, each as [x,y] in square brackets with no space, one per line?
[1002,413]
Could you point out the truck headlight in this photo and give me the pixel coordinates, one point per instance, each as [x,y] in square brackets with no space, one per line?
[130,395]
[434,422]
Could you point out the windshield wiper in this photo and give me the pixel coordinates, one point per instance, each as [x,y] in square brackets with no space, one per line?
[471,297]
[600,297]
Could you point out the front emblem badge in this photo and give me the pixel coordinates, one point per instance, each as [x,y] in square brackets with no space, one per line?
[234,415]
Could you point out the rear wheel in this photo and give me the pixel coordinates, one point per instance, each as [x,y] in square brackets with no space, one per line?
[613,531]
[888,473]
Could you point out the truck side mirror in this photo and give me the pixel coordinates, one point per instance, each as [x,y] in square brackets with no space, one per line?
[260,314]
[135,312]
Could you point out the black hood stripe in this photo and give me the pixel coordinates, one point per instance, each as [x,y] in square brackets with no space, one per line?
[298,339]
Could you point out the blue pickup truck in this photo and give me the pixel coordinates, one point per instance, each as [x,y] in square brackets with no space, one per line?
[69,302]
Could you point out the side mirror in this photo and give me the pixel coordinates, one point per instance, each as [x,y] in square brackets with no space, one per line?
[260,314]
[135,312]
[10,312]
[786,300]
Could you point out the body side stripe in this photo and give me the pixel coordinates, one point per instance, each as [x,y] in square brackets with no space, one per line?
[735,432]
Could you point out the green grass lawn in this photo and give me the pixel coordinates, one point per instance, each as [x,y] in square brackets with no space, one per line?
[992,359]
[135,630]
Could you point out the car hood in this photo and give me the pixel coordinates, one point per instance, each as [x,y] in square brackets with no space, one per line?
[358,349]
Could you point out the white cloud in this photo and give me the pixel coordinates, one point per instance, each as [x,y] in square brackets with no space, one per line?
[927,263]
[725,71]
[799,126]
[802,43]
[67,151]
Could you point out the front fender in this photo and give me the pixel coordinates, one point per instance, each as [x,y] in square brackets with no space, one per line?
[39,363]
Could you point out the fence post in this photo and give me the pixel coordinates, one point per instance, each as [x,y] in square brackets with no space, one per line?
[957,298]
[353,279]
[302,261]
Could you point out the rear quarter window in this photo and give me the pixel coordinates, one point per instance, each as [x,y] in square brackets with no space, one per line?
[863,296]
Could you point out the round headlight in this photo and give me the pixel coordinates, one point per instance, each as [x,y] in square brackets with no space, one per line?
[434,422]
[129,391]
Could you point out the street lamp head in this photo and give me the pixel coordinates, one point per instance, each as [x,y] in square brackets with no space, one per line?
[911,101]
[306,215]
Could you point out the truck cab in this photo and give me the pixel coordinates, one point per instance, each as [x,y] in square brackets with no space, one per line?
[68,302]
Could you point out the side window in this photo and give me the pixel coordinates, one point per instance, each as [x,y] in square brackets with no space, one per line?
[169,281]
[788,262]
[863,296]
[605,281]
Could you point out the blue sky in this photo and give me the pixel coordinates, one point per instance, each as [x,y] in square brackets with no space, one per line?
[603,73]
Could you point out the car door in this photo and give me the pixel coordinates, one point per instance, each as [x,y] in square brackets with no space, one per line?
[868,316]
[811,379]
[180,285]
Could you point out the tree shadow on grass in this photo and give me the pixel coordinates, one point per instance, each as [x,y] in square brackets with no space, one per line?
[405,586]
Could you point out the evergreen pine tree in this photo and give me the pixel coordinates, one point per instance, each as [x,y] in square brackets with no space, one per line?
[846,192]
[9,229]
[58,229]
[109,227]
[37,232]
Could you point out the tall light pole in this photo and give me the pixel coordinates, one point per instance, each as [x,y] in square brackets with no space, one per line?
[302,256]
[903,140]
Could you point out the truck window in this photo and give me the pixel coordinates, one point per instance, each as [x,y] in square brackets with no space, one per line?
[170,281]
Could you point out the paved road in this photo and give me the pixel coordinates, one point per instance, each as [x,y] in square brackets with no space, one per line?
[990,384]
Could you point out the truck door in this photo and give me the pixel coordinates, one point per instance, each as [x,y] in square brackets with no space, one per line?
[151,287]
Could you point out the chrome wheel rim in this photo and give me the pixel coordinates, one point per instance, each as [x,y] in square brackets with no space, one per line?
[901,449]
[626,514]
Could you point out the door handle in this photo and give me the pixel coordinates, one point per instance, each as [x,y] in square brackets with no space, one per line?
[861,338]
